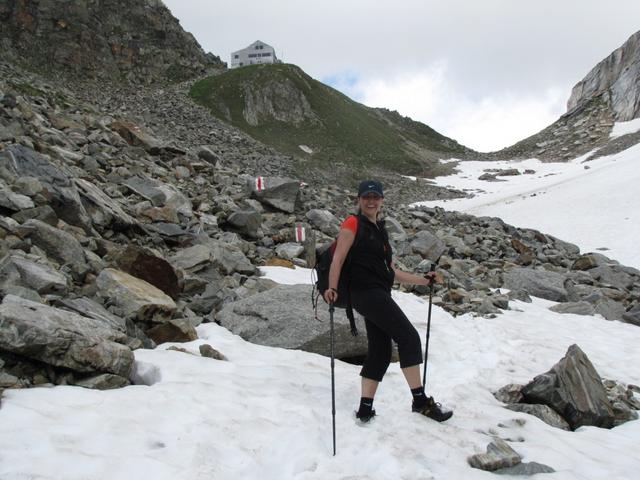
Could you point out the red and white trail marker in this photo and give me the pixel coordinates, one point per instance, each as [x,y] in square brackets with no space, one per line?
[300,234]
[260,184]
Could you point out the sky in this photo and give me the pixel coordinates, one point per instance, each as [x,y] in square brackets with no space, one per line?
[486,73]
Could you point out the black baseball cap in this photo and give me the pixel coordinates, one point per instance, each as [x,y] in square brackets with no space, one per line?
[370,186]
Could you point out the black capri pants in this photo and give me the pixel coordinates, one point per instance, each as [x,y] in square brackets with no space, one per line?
[385,321]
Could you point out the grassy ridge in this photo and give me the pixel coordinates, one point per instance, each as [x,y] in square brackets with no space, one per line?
[339,130]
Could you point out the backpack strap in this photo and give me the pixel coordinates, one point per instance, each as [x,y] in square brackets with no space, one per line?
[352,320]
[349,309]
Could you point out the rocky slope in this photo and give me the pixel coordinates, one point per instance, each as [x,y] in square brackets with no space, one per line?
[609,93]
[122,239]
[128,215]
[617,79]
[135,40]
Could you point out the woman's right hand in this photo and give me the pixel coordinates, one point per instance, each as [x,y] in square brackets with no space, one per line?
[330,295]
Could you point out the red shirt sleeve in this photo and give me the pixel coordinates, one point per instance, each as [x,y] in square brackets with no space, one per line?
[351,223]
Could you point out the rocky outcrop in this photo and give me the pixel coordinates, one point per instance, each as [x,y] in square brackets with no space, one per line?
[282,317]
[138,40]
[31,329]
[609,93]
[279,101]
[573,389]
[617,79]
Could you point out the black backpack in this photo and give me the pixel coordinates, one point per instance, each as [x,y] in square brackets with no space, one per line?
[324,257]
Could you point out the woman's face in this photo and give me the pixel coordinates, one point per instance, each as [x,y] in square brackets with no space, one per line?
[370,204]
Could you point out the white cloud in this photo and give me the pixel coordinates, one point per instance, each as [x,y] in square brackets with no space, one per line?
[488,123]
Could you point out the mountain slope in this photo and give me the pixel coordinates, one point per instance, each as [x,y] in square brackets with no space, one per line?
[283,107]
[139,40]
[609,93]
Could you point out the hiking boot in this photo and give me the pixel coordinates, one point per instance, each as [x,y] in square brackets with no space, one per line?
[433,410]
[366,417]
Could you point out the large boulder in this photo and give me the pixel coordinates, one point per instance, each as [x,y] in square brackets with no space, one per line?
[574,389]
[427,245]
[160,194]
[283,317]
[133,297]
[324,220]
[58,187]
[15,270]
[246,222]
[280,193]
[58,244]
[61,338]
[538,283]
[146,265]
[103,210]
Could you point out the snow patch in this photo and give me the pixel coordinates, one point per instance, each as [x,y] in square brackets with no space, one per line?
[625,128]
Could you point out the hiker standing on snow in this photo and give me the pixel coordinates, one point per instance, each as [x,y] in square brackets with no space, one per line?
[371,276]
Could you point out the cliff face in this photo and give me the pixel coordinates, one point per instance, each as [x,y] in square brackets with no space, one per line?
[609,93]
[137,40]
[617,78]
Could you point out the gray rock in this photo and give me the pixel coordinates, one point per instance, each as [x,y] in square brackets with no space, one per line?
[528,469]
[65,200]
[133,297]
[17,270]
[610,309]
[395,230]
[13,201]
[90,308]
[289,251]
[208,351]
[543,412]
[104,211]
[589,260]
[632,315]
[574,389]
[611,275]
[61,338]
[44,213]
[577,308]
[176,330]
[324,220]
[519,294]
[160,194]
[427,245]
[511,393]
[538,283]
[499,455]
[281,317]
[59,245]
[192,259]
[104,381]
[246,222]
[229,259]
[280,193]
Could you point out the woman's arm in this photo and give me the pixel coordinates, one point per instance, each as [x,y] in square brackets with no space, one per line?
[405,277]
[344,243]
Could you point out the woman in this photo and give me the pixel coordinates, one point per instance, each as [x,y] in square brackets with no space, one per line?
[372,273]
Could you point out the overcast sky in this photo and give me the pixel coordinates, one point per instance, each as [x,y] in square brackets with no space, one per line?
[484,72]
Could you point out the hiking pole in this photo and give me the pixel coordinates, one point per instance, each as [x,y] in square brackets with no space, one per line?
[333,383]
[426,350]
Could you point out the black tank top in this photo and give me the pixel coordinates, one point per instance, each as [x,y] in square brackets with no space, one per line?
[370,264]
